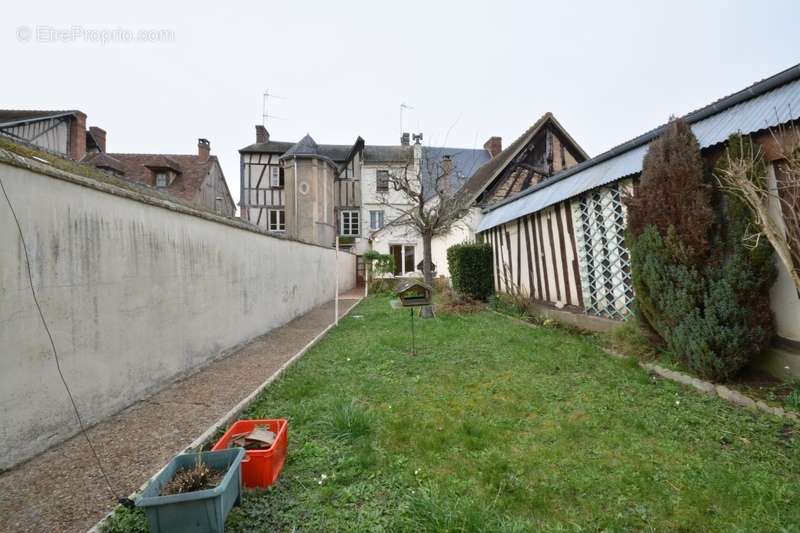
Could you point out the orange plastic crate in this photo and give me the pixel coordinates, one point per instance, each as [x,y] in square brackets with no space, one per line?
[260,468]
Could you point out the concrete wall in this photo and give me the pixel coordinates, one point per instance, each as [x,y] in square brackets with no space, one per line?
[136,293]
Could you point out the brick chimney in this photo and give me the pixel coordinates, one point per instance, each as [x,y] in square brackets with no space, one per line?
[203,149]
[405,139]
[99,136]
[77,136]
[494,146]
[262,135]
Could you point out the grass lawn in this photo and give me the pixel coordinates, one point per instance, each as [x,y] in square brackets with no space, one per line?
[497,426]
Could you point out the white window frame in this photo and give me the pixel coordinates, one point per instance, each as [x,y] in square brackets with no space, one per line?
[280,220]
[350,228]
[275,176]
[376,215]
[403,248]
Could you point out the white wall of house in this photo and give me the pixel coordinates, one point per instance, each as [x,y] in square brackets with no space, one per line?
[383,240]
[784,297]
[135,295]
[371,200]
[463,231]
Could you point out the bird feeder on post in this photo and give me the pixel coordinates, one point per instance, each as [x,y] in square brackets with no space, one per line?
[413,293]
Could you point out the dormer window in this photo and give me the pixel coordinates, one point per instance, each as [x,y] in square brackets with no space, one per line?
[162,180]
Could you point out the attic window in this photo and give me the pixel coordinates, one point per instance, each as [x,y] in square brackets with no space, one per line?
[161,178]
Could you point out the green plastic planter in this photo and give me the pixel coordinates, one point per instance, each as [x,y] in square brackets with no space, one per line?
[200,511]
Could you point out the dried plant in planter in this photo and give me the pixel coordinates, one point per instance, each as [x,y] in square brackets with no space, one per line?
[199,477]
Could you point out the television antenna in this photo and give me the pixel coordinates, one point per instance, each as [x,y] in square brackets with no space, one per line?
[265,107]
[403,107]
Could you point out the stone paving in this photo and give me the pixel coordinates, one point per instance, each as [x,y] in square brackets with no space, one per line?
[62,489]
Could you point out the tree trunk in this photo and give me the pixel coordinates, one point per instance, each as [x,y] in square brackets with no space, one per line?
[427,311]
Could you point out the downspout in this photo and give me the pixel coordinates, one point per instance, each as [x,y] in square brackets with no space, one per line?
[336,297]
[296,185]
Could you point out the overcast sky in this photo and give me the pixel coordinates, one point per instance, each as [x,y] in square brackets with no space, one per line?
[607,70]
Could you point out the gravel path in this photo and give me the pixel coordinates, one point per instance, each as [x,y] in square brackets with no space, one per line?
[62,489]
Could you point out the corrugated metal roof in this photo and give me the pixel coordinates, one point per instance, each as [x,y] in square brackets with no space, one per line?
[762,111]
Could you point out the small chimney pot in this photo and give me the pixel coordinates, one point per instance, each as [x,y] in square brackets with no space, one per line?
[494,146]
[203,149]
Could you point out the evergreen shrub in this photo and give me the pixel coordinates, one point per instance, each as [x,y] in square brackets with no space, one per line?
[701,283]
[470,266]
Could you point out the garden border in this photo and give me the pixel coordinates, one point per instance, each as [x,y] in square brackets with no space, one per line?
[721,391]
[233,412]
[729,395]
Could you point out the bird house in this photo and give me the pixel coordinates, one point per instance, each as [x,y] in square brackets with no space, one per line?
[414,293]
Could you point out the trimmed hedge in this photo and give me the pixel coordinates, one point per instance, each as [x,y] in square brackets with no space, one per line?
[470,267]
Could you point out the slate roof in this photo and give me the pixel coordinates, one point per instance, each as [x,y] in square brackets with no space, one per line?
[388,154]
[306,147]
[338,152]
[270,147]
[465,162]
[765,104]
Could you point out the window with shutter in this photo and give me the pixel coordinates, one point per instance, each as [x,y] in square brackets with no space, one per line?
[275,176]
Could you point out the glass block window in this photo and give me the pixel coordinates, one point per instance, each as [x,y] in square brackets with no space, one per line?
[604,260]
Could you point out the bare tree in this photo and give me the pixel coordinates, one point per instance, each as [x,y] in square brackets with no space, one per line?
[428,204]
[775,207]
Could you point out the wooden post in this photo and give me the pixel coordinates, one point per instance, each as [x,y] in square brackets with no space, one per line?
[336,297]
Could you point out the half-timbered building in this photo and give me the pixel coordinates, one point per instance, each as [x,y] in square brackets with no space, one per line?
[562,240]
[550,272]
[62,133]
[305,190]
[300,188]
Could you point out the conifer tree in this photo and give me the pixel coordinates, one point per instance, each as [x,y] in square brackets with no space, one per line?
[699,283]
